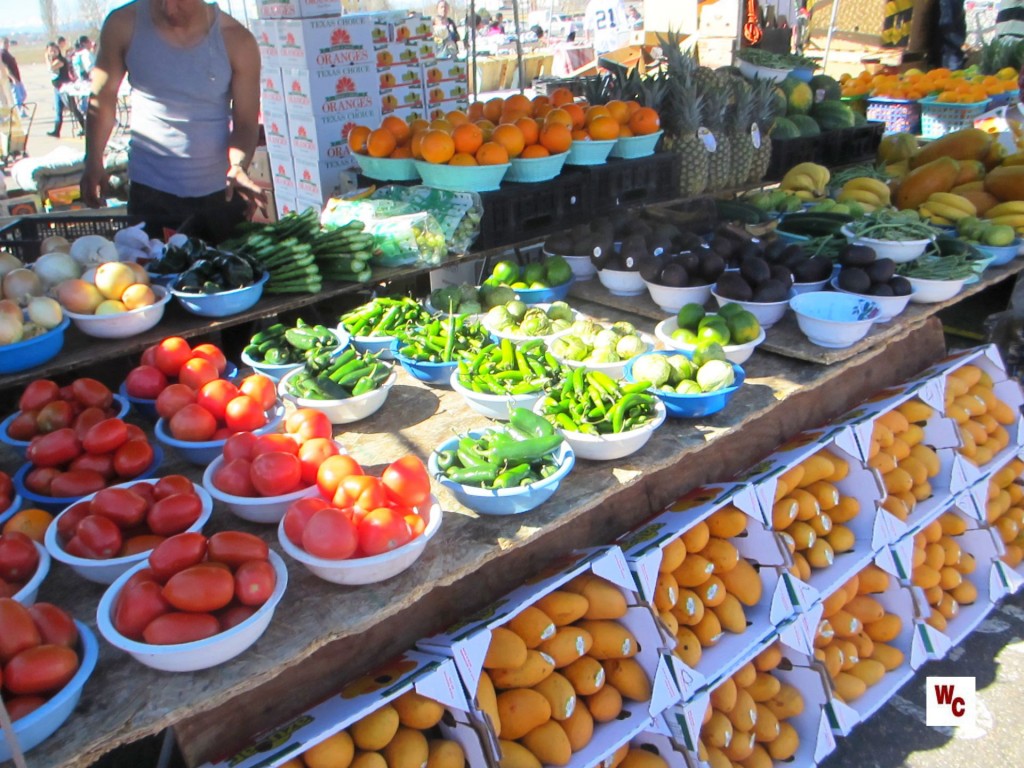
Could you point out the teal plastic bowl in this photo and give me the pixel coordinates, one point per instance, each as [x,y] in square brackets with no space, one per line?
[590,152]
[462,178]
[631,147]
[1000,254]
[388,168]
[531,170]
[35,351]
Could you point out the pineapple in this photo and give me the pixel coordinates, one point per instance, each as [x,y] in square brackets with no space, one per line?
[683,114]
[739,132]
[716,115]
[764,109]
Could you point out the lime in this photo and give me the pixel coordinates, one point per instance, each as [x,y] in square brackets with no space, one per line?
[729,309]
[506,271]
[516,309]
[534,273]
[519,284]
[713,332]
[743,327]
[999,235]
[685,336]
[558,270]
[707,351]
[689,315]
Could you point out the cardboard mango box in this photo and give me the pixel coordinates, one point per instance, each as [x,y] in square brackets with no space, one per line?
[974,503]
[322,138]
[446,91]
[400,54]
[407,96]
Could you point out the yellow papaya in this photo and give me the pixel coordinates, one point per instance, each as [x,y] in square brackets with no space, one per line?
[965,144]
[917,186]
[1006,182]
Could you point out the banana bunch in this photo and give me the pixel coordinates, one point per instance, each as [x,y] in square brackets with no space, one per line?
[871,194]
[946,209]
[1010,213]
[808,181]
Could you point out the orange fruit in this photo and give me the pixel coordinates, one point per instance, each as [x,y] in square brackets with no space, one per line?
[530,129]
[510,137]
[580,134]
[493,108]
[518,103]
[437,147]
[575,111]
[467,138]
[534,150]
[592,113]
[619,110]
[543,110]
[398,128]
[624,132]
[380,143]
[644,121]
[560,116]
[632,106]
[462,158]
[32,522]
[403,151]
[491,153]
[440,124]
[604,128]
[416,144]
[555,138]
[540,99]
[456,117]
[417,125]
[561,96]
[475,111]
[487,127]
[357,138]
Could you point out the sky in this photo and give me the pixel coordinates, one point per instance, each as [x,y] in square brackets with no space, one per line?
[24,14]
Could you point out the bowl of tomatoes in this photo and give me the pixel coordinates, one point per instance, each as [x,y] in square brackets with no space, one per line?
[106,533]
[68,653]
[23,566]
[218,598]
[202,452]
[10,500]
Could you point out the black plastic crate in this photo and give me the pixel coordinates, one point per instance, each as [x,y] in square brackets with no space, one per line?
[24,236]
[789,152]
[518,212]
[619,183]
[852,145]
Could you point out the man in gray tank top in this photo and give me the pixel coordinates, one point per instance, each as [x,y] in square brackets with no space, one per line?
[194,73]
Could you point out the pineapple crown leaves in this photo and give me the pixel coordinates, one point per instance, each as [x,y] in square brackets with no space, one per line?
[764,105]
[743,106]
[716,105]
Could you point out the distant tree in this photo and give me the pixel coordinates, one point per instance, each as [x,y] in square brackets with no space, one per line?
[50,15]
[92,13]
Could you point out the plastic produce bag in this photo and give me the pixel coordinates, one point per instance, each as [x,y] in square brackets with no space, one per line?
[458,213]
[338,213]
[409,239]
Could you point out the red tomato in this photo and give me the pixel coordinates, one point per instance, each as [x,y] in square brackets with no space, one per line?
[54,449]
[143,542]
[298,515]
[417,525]
[331,535]
[8,589]
[193,423]
[19,706]
[172,484]
[236,547]
[20,632]
[274,442]
[407,481]
[42,669]
[312,454]
[122,506]
[212,353]
[144,491]
[133,458]
[383,530]
[172,399]
[275,474]
[223,433]
[196,372]
[362,491]
[149,355]
[68,520]
[87,419]
[176,554]
[92,393]
[234,615]
[171,354]
[240,446]
[137,605]
[55,415]
[97,462]
[6,486]
[173,514]
[255,582]
[39,479]
[107,436]
[175,628]
[23,426]
[55,626]
[136,432]
[18,557]
[200,589]
[145,381]
[305,423]
[76,482]
[216,395]
[261,389]
[100,536]
[244,414]
[37,394]
[333,470]
[139,577]
[232,477]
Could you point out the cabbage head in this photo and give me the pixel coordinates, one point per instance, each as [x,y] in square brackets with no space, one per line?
[630,346]
[652,368]
[683,369]
[715,375]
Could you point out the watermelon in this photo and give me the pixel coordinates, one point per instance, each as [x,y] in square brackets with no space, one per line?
[825,88]
[805,124]
[833,115]
[780,101]
[785,129]
[799,97]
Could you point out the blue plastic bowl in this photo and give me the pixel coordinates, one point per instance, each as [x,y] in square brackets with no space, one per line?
[434,374]
[35,351]
[590,152]
[57,504]
[462,178]
[681,406]
[530,170]
[503,501]
[204,452]
[37,726]
[631,147]
[544,295]
[11,510]
[388,168]
[146,408]
[1000,254]
[380,344]
[20,446]
[224,303]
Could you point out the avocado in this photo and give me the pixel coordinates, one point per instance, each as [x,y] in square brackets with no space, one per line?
[900,286]
[750,250]
[771,290]
[650,268]
[688,241]
[731,285]
[561,244]
[782,274]
[689,261]
[812,270]
[854,280]
[634,248]
[773,251]
[857,256]
[755,270]
[723,247]
[614,262]
[881,289]
[711,266]
[659,244]
[674,276]
[881,270]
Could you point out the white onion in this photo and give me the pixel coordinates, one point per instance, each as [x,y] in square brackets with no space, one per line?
[8,261]
[55,243]
[10,309]
[20,285]
[55,267]
[10,330]
[44,311]
[85,249]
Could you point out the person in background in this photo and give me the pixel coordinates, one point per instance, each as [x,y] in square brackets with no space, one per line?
[60,75]
[14,73]
[82,61]
[497,25]
[1010,19]
[194,72]
[445,32]
[948,34]
[607,25]
[634,18]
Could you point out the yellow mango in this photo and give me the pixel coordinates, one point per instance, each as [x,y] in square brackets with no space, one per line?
[741,746]
[610,640]
[560,695]
[793,477]
[375,730]
[870,671]
[886,629]
[666,592]
[445,753]
[730,615]
[717,732]
[708,630]
[820,554]
[368,760]
[915,411]
[743,582]
[563,607]
[723,696]
[538,666]
[848,687]
[521,710]
[847,509]
[606,600]
[759,758]
[764,687]
[672,556]
[688,647]
[841,539]
[727,522]
[578,727]
[743,713]
[816,467]
[417,711]
[487,700]
[604,705]
[629,677]
[689,609]
[746,675]
[712,592]
[716,758]
[696,538]
[335,751]
[822,524]
[549,744]
[515,755]
[785,745]
[784,512]
[586,675]
[766,725]
[506,651]
[786,703]
[642,758]
[408,749]
[694,571]
[532,625]
[769,658]
[567,645]
[965,593]
[891,658]
[722,554]
[865,608]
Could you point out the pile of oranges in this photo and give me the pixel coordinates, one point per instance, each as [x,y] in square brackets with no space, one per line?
[946,86]
[492,132]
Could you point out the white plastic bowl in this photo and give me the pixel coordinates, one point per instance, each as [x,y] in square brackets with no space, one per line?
[817,285]
[582,267]
[28,593]
[622,282]
[255,509]
[615,370]
[752,71]
[341,411]
[276,372]
[900,251]
[890,306]
[201,654]
[734,353]
[367,570]
[123,324]
[617,446]
[494,406]
[834,320]
[934,291]
[768,313]
[106,571]
[672,299]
